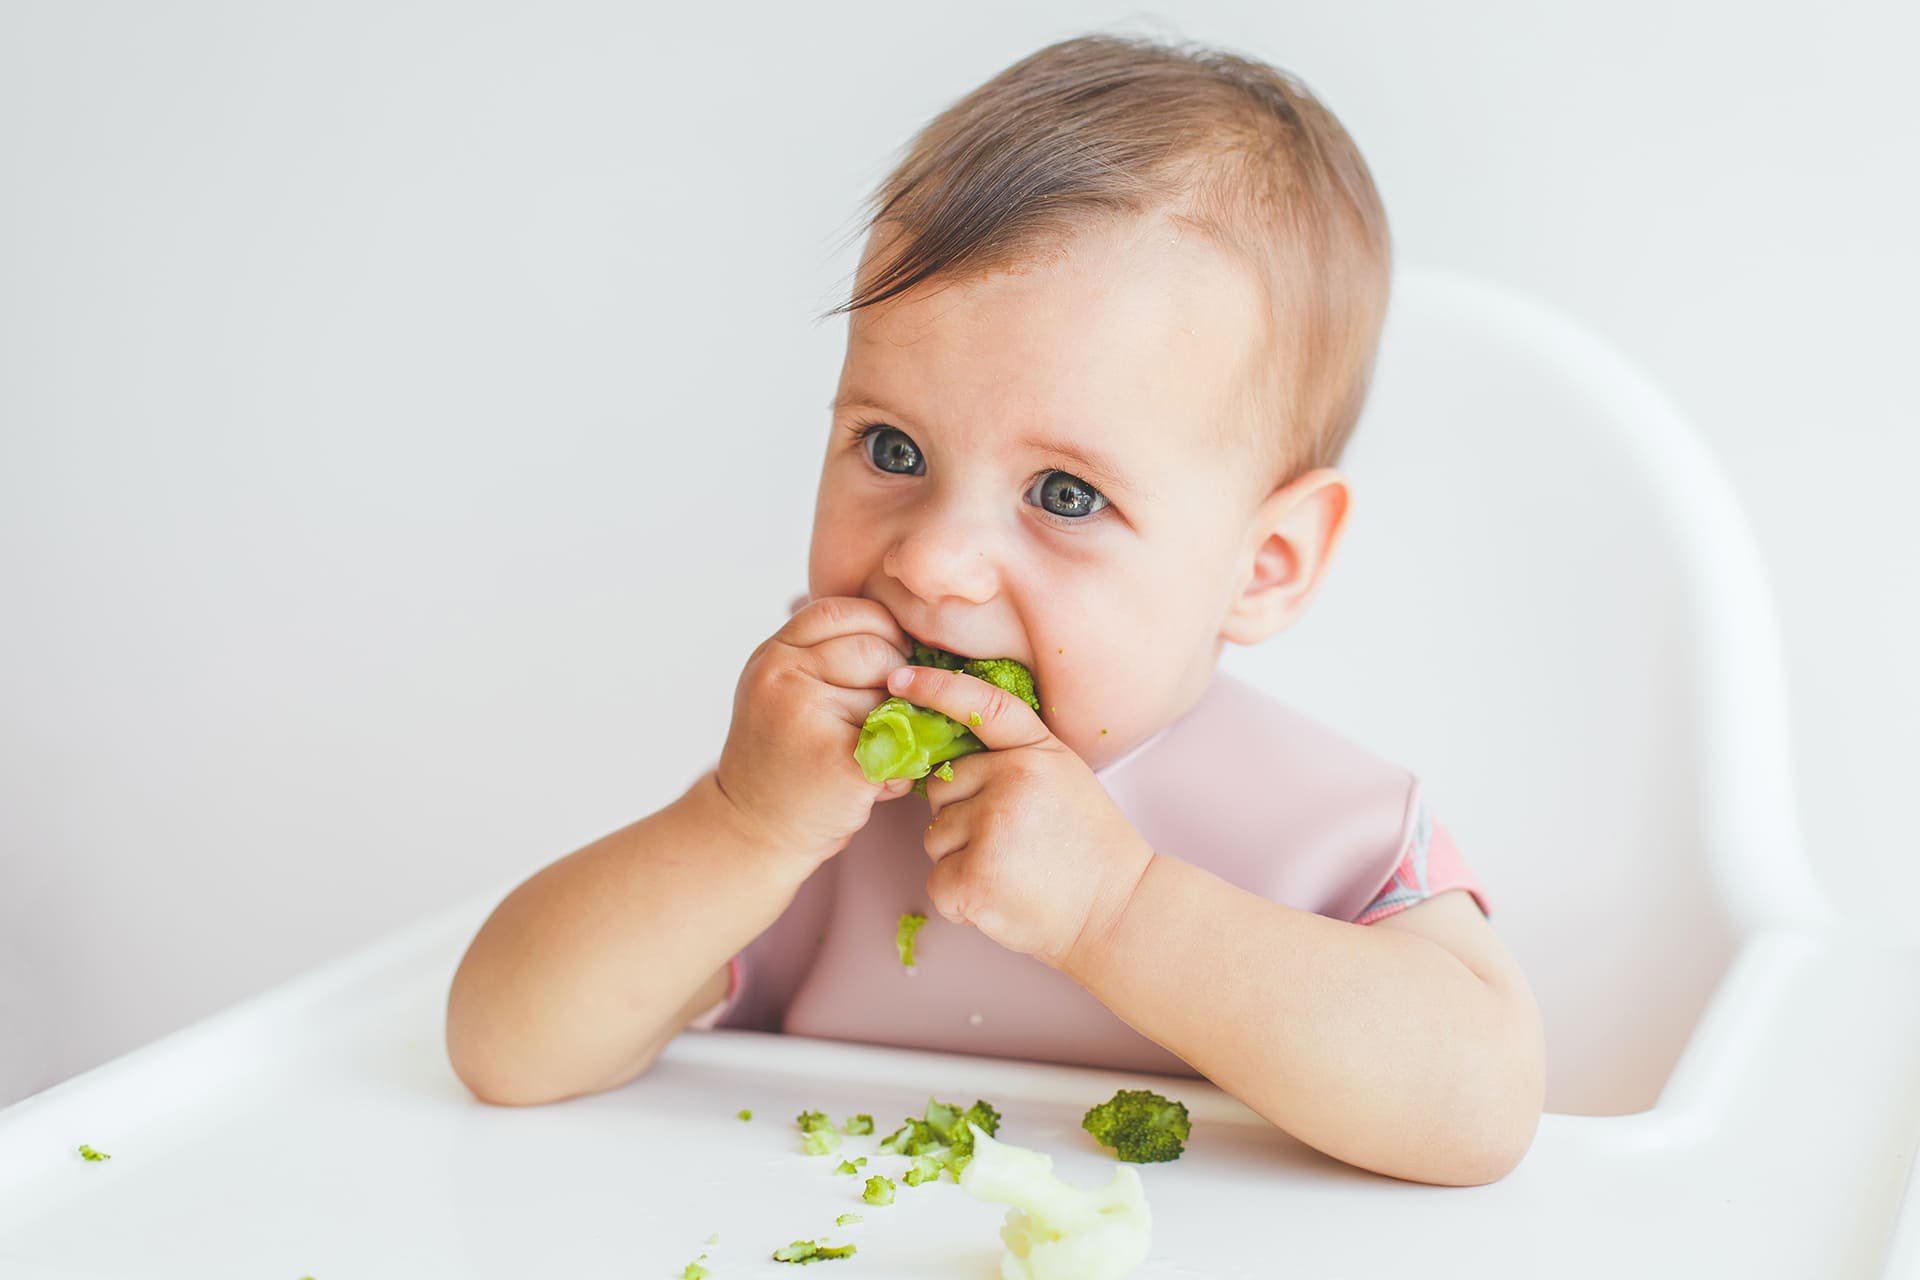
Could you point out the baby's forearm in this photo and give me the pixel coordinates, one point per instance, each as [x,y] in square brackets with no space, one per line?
[1376,1046]
[585,971]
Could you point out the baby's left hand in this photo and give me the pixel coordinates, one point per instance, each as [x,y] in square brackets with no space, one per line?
[1027,846]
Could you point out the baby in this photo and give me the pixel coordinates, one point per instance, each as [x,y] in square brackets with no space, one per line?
[1113,324]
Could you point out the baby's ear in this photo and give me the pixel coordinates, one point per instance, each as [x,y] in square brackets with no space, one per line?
[1289,543]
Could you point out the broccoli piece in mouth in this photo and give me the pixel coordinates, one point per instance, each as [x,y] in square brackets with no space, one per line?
[925,655]
[1140,1126]
[901,740]
[1005,673]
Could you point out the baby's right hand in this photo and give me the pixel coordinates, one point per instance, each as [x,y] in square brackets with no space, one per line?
[788,764]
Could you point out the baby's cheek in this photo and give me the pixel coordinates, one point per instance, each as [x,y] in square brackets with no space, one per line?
[833,559]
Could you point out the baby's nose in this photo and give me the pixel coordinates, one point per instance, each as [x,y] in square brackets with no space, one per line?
[939,559]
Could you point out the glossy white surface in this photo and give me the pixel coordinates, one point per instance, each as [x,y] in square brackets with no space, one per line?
[318,1131]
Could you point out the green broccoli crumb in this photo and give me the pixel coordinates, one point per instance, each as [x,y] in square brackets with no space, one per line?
[942,1135]
[850,1166]
[879,1190]
[846,1218]
[807,1251]
[695,1271]
[88,1153]
[859,1124]
[712,1239]
[945,771]
[973,718]
[820,1135]
[744,1114]
[903,936]
[1140,1126]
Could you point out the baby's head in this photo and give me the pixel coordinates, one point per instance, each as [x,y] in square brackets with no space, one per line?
[1113,324]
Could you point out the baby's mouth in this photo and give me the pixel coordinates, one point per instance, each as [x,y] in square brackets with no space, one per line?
[935,651]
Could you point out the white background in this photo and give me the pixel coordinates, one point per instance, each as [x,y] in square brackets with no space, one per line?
[409,412]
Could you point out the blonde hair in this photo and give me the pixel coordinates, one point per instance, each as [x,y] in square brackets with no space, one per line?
[1111,126]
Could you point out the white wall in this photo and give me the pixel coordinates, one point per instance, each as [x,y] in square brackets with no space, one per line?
[408,415]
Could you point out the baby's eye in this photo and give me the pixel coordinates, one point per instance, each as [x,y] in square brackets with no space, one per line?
[1060,494]
[892,449]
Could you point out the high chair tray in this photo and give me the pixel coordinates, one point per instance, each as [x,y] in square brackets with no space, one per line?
[316,1130]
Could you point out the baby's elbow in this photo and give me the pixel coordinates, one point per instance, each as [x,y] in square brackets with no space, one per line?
[1508,1116]
[487,1077]
[496,1075]
[1493,1155]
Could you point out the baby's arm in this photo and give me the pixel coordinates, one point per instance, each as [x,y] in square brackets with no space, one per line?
[1411,1047]
[579,979]
[586,971]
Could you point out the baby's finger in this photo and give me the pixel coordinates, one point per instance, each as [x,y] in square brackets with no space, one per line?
[894,788]
[996,717]
[832,616]
[947,834]
[857,661]
[970,773]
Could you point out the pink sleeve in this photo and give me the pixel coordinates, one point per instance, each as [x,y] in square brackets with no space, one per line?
[1431,865]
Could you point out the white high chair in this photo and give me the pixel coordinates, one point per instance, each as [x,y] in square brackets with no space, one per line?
[1546,604]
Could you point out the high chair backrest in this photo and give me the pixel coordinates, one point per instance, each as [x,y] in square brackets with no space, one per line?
[1547,604]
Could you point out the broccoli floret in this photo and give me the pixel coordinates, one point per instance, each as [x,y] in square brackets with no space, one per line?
[910,922]
[1141,1126]
[879,1190]
[820,1135]
[902,740]
[88,1153]
[846,1218]
[856,1125]
[807,1251]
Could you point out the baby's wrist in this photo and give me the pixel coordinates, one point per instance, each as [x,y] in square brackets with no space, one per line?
[1104,915]
[740,836]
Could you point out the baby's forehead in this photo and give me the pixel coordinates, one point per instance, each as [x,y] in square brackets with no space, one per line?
[1138,320]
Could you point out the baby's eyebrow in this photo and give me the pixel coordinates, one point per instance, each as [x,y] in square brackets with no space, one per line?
[1089,464]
